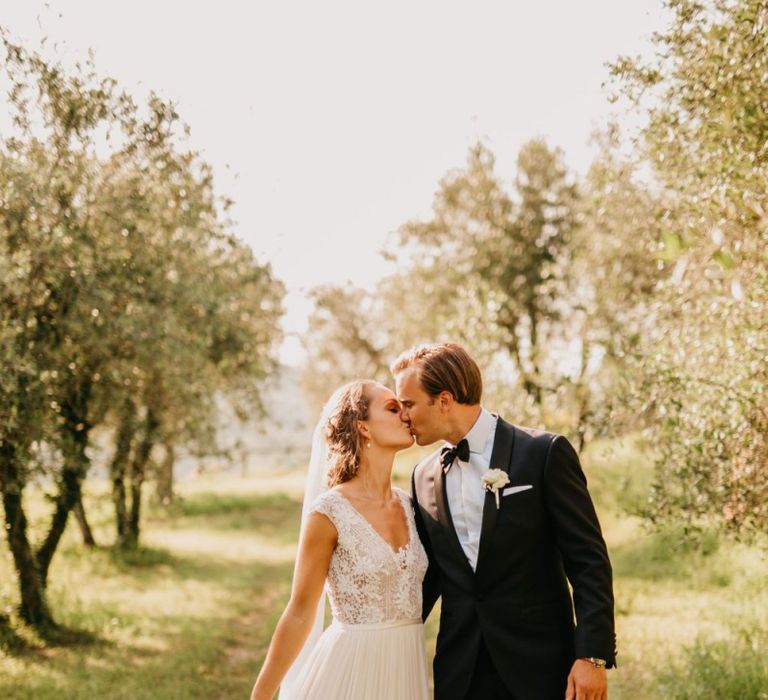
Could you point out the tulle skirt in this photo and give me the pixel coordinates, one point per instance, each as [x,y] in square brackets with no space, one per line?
[385,661]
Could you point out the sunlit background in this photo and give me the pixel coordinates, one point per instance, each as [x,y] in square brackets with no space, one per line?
[329,124]
[213,214]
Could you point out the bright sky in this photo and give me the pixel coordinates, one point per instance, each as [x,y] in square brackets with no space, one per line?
[330,123]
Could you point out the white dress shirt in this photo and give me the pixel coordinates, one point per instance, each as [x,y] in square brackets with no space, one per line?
[464,485]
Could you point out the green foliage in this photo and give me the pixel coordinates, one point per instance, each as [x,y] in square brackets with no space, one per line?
[489,269]
[725,669]
[699,367]
[343,342]
[669,555]
[125,301]
[504,256]
[121,273]
[634,299]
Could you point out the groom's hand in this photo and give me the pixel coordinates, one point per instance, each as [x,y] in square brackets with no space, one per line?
[585,682]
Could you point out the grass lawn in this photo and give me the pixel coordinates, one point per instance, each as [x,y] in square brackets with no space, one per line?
[187,616]
[190,614]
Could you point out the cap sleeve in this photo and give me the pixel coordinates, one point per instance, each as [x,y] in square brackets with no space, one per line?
[326,504]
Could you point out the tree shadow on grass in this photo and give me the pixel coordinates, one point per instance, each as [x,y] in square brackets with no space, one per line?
[11,642]
[126,560]
[64,636]
[20,640]
[276,516]
[155,564]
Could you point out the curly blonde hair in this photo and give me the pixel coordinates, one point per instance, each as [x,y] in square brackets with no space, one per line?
[348,405]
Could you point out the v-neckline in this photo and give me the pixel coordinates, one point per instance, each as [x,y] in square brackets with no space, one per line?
[395,552]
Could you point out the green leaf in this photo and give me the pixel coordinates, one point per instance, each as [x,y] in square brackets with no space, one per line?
[724,260]
[673,246]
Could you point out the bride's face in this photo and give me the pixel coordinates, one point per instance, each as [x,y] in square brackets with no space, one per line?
[386,426]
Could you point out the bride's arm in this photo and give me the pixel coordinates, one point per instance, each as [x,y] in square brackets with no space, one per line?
[316,546]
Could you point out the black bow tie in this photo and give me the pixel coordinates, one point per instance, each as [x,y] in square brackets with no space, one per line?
[448,454]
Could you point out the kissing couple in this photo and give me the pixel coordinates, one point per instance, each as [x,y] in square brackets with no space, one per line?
[497,524]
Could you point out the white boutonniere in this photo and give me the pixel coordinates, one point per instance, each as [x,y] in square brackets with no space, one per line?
[493,480]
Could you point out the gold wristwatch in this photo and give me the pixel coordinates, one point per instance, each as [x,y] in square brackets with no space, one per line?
[597,663]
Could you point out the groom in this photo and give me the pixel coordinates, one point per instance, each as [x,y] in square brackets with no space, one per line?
[507,619]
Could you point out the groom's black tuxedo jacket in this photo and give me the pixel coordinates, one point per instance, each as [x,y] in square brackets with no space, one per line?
[517,600]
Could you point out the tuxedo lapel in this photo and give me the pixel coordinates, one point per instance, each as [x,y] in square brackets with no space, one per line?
[444,514]
[501,458]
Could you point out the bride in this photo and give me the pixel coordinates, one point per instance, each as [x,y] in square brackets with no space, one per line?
[358,540]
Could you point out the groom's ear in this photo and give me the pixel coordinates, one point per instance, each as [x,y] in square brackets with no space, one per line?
[445,401]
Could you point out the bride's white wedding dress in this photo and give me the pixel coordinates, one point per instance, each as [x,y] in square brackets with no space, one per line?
[374,649]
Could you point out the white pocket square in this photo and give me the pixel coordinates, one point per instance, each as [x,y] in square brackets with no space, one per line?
[515,489]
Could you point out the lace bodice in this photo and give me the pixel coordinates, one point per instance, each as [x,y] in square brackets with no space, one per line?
[368,582]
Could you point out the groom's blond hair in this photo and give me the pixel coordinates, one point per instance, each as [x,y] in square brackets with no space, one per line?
[443,367]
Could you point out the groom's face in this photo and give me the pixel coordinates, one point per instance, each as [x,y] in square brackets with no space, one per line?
[420,410]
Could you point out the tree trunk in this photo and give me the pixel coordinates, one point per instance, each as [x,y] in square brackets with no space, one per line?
[529,382]
[138,474]
[165,475]
[582,391]
[75,432]
[82,521]
[117,469]
[133,525]
[67,498]
[34,607]
[6,632]
[534,339]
